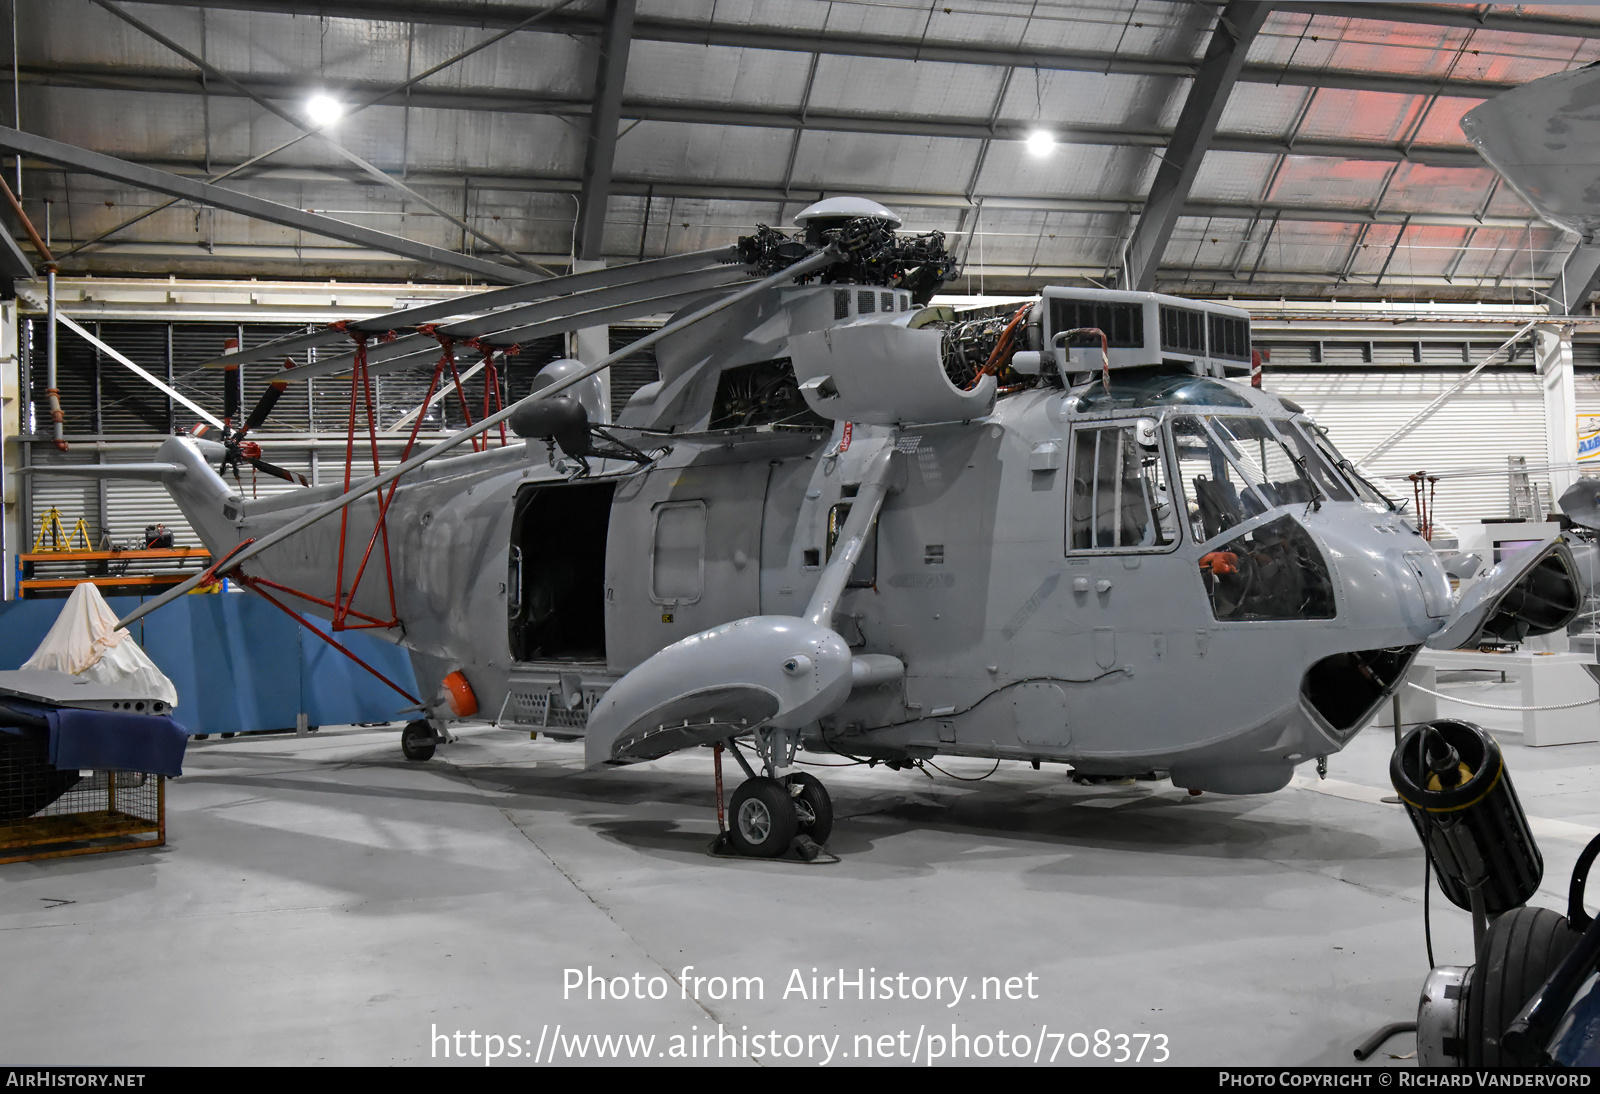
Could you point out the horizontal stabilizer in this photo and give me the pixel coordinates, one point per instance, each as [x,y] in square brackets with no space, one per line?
[774,670]
[149,471]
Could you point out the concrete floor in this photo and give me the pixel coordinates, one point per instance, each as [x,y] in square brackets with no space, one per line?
[322,900]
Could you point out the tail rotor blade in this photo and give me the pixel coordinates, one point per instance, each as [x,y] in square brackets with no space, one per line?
[269,399]
[278,472]
[232,393]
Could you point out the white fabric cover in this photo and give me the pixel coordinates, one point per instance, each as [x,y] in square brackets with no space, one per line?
[85,642]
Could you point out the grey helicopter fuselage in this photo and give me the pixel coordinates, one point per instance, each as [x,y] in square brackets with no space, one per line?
[1173,575]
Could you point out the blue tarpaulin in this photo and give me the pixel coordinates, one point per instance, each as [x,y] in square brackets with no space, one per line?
[103,740]
[240,664]
[112,740]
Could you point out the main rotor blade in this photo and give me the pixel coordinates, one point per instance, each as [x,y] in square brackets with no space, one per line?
[631,273]
[388,356]
[377,482]
[232,394]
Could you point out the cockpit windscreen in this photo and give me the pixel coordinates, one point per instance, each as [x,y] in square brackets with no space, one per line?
[1234,467]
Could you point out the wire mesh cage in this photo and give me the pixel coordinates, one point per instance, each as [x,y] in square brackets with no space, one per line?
[49,813]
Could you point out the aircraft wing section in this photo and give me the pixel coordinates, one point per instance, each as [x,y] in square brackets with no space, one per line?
[1533,592]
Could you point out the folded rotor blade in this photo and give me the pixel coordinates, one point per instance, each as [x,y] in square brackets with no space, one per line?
[603,316]
[406,351]
[594,301]
[632,273]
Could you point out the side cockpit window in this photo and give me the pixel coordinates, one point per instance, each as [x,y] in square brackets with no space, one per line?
[1120,500]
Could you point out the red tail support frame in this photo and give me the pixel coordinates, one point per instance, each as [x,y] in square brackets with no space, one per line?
[253,584]
[361,397]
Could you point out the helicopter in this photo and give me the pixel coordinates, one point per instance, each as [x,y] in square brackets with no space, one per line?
[847,521]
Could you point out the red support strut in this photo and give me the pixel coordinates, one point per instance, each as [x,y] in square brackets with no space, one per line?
[361,397]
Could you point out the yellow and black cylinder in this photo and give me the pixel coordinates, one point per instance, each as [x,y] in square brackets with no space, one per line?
[1452,778]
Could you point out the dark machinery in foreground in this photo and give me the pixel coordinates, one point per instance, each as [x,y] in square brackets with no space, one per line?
[1530,999]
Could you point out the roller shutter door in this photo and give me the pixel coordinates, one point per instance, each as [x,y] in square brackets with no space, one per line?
[1501,414]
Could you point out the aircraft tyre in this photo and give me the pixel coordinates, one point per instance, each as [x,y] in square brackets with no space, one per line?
[762,818]
[813,806]
[417,741]
[1520,951]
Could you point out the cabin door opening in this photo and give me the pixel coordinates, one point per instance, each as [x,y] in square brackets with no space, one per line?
[555,591]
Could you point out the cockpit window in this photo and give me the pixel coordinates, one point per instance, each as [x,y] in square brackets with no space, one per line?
[1218,494]
[1284,475]
[1235,467]
[1274,571]
[1120,499]
[1152,391]
[1315,463]
[1364,490]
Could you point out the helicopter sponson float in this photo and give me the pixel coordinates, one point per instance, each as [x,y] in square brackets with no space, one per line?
[846,522]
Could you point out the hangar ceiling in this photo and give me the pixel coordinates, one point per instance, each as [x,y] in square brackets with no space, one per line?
[1304,150]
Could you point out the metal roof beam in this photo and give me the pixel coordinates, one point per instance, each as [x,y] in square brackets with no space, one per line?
[520,183]
[14,265]
[887,124]
[1436,15]
[454,13]
[311,131]
[1236,28]
[1578,279]
[148,178]
[611,72]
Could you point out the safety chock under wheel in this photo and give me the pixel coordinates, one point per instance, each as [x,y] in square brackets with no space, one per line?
[803,851]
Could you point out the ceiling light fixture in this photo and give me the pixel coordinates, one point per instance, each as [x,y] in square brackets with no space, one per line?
[1041,142]
[323,109]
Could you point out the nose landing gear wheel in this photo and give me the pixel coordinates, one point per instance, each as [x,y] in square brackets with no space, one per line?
[813,806]
[417,741]
[762,818]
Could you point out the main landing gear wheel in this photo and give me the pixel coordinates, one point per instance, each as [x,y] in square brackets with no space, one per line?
[1520,951]
[812,806]
[762,817]
[417,740]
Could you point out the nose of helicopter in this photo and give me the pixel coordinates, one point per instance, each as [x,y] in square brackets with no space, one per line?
[1393,590]
[1393,594]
